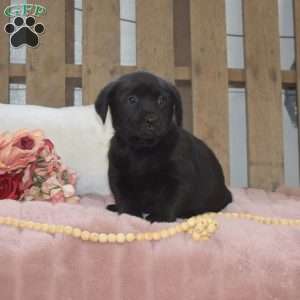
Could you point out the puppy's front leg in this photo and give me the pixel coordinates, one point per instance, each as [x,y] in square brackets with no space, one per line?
[161,217]
[168,204]
[124,200]
[123,205]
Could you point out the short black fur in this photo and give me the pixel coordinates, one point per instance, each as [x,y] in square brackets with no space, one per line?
[155,166]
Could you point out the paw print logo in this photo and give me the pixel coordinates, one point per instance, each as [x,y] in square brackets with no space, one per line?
[24,31]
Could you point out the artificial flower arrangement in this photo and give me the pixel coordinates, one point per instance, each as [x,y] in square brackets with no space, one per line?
[30,169]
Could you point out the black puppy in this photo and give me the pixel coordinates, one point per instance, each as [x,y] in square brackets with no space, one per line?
[155,166]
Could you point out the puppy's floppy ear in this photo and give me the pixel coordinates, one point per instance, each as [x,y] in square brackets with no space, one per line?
[103,100]
[177,103]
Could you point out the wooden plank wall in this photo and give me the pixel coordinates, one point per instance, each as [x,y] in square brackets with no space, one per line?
[183,41]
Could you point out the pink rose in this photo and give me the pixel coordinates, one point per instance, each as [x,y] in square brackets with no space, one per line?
[25,143]
[5,139]
[27,180]
[72,177]
[57,196]
[68,190]
[34,193]
[49,144]
[10,186]
[20,151]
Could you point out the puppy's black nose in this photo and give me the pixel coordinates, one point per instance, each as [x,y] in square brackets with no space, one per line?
[150,121]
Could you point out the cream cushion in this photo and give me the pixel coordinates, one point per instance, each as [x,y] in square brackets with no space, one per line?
[80,138]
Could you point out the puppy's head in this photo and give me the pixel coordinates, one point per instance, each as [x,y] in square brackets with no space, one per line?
[143,107]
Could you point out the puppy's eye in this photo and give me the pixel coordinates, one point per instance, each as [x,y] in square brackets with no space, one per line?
[161,100]
[132,99]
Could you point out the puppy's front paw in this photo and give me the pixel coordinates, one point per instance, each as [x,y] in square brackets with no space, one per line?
[160,218]
[120,210]
[112,207]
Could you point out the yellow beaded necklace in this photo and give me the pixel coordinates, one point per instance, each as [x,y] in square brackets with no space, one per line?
[200,227]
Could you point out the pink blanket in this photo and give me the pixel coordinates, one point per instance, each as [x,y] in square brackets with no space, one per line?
[243,260]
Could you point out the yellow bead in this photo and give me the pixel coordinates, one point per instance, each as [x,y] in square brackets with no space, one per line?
[94,237]
[44,227]
[121,238]
[269,221]
[237,215]
[1,220]
[184,226]
[15,222]
[140,237]
[52,229]
[37,226]
[156,236]
[204,232]
[200,227]
[178,228]
[111,237]
[67,230]
[283,222]
[8,220]
[130,237]
[196,236]
[76,232]
[59,228]
[209,222]
[211,228]
[190,231]
[191,221]
[164,233]
[85,235]
[172,231]
[29,225]
[103,238]
[148,236]
[253,217]
[23,224]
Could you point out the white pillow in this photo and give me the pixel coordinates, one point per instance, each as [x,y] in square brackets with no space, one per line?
[80,138]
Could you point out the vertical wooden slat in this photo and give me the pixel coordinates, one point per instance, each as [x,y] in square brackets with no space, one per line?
[45,69]
[4,55]
[209,76]
[297,36]
[182,37]
[263,79]
[70,32]
[101,45]
[155,47]
[185,91]
[70,47]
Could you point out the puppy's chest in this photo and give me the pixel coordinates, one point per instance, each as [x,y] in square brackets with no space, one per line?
[145,181]
[141,168]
